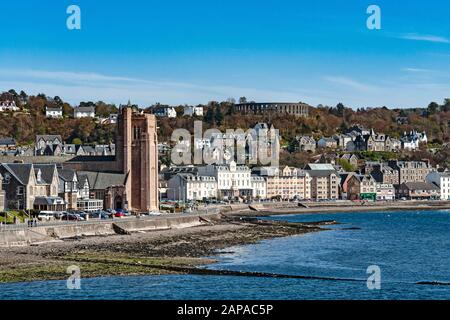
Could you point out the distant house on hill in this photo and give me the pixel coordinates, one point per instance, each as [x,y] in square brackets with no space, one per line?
[345,142]
[413,139]
[193,111]
[113,118]
[306,143]
[8,106]
[53,112]
[84,112]
[375,142]
[48,145]
[327,143]
[164,111]
[351,158]
[7,144]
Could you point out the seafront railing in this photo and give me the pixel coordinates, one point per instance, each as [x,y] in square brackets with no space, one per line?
[59,223]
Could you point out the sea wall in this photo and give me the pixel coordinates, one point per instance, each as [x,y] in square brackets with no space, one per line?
[41,234]
[160,223]
[77,230]
[21,237]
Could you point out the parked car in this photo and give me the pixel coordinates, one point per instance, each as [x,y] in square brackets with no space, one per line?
[46,215]
[119,214]
[71,217]
[105,216]
[81,217]
[100,214]
[154,213]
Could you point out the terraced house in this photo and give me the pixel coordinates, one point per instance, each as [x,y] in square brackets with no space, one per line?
[324,181]
[31,186]
[411,171]
[384,174]
[287,183]
[362,187]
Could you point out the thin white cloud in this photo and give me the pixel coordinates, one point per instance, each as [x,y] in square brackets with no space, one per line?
[351,83]
[74,87]
[81,86]
[416,70]
[424,37]
[62,75]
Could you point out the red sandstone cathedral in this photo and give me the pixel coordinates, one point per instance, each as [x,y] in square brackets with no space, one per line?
[130,179]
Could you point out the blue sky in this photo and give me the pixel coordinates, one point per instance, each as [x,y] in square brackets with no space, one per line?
[195,51]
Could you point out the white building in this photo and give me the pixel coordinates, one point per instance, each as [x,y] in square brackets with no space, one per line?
[259,187]
[113,118]
[385,191]
[84,112]
[193,111]
[442,180]
[191,187]
[8,106]
[233,181]
[412,140]
[53,112]
[164,111]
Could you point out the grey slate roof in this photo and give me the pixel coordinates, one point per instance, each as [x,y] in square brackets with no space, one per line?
[103,180]
[321,173]
[7,142]
[53,109]
[47,200]
[82,179]
[66,174]
[21,171]
[421,186]
[47,171]
[85,109]
[48,137]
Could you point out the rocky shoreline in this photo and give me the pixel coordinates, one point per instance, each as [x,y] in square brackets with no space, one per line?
[336,207]
[172,251]
[142,253]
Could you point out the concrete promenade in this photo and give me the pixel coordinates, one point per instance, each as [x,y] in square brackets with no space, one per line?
[17,235]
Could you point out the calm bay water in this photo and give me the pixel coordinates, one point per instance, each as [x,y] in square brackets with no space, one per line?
[408,247]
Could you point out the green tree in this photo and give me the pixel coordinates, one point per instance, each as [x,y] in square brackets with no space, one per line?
[446,105]
[77,141]
[347,166]
[209,116]
[23,95]
[58,101]
[433,108]
[218,116]
[340,108]
[67,110]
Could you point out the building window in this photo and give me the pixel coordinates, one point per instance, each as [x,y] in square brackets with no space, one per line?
[20,190]
[136,133]
[7,178]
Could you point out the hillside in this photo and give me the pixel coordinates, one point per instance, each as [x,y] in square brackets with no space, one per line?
[322,121]
[30,121]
